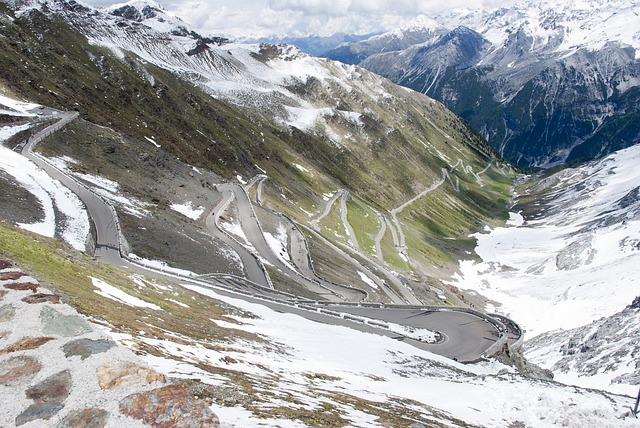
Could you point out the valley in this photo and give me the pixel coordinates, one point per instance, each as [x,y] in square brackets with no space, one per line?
[303,242]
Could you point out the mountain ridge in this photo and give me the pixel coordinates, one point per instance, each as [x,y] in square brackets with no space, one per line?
[546,86]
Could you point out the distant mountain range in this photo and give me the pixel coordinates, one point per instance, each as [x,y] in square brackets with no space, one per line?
[545,83]
[315,45]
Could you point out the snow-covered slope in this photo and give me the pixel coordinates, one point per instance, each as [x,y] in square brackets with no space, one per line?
[333,369]
[64,215]
[561,27]
[421,30]
[603,354]
[268,78]
[574,257]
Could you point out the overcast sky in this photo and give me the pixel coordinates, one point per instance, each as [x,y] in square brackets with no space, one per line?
[260,18]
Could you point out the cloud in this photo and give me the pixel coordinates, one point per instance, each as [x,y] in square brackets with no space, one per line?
[260,18]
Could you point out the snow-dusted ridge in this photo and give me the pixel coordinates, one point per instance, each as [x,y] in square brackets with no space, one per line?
[562,27]
[546,83]
[257,76]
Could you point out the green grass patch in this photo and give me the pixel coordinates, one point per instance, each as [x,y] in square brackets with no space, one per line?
[365,224]
[67,272]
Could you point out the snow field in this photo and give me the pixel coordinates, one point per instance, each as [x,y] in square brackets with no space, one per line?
[377,369]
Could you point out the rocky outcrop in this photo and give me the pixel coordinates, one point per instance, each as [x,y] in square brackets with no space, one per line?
[515,358]
[61,371]
[121,374]
[168,407]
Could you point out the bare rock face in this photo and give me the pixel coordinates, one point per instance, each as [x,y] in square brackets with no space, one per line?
[48,396]
[123,374]
[18,370]
[85,418]
[5,264]
[2,294]
[168,407]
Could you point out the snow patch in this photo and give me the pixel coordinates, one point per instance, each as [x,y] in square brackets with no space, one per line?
[73,222]
[367,280]
[187,210]
[113,293]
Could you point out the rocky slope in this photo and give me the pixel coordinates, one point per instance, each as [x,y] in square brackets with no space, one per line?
[602,354]
[57,369]
[253,366]
[546,84]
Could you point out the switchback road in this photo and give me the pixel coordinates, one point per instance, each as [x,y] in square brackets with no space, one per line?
[466,336]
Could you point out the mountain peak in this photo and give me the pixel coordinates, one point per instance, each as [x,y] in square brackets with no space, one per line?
[147,12]
[137,10]
[422,22]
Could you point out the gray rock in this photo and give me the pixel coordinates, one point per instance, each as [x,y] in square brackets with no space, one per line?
[49,396]
[7,312]
[87,347]
[39,411]
[62,325]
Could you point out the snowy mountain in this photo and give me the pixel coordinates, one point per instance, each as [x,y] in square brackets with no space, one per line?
[570,262]
[545,83]
[359,183]
[421,30]
[317,129]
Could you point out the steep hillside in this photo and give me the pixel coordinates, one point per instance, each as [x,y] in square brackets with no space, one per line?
[602,354]
[158,100]
[546,84]
[254,180]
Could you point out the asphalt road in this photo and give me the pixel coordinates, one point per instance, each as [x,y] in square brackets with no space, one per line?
[465,336]
[252,267]
[108,243]
[253,232]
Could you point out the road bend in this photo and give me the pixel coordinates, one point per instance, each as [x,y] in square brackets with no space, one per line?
[255,235]
[466,337]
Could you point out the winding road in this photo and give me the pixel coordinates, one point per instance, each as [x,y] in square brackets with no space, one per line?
[467,336]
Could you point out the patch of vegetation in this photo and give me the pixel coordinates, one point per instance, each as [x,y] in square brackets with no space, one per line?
[365,224]
[67,272]
[394,150]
